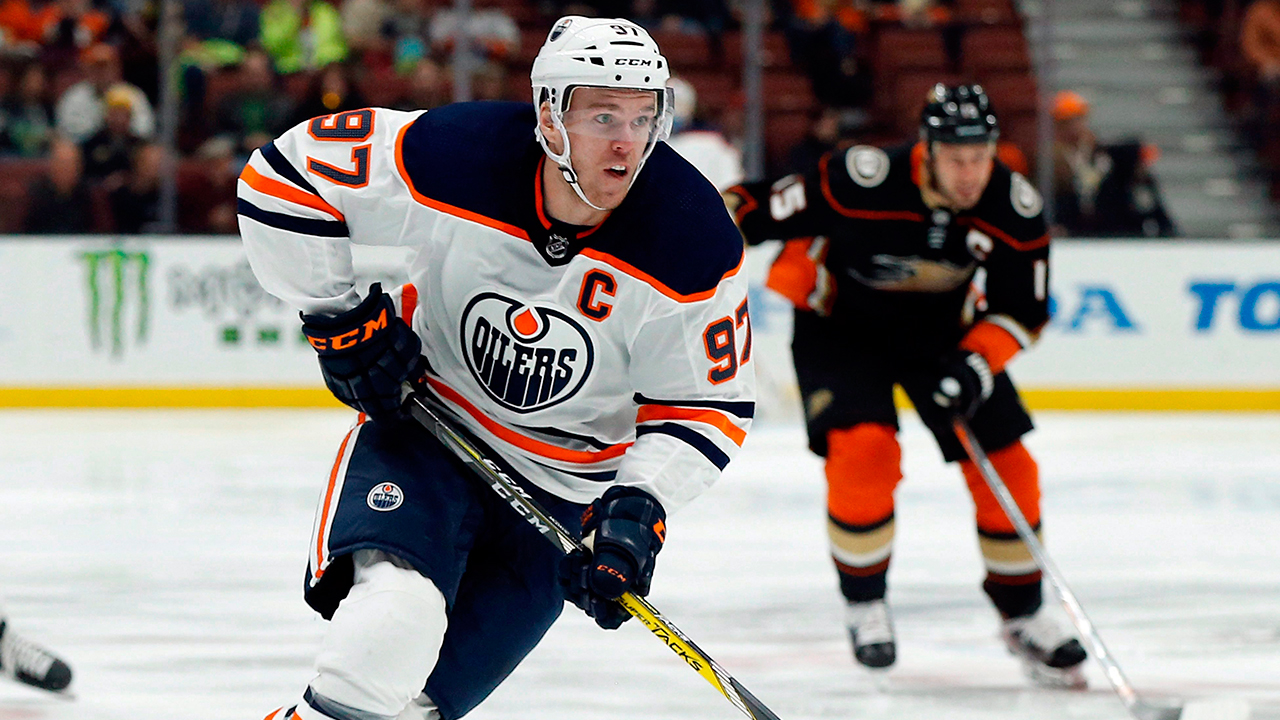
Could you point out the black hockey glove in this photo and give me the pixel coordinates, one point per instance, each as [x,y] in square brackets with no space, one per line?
[366,353]
[964,382]
[625,529]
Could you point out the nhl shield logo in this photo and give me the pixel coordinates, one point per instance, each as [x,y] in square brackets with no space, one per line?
[385,497]
[526,357]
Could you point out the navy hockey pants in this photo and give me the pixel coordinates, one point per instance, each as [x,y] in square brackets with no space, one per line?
[397,489]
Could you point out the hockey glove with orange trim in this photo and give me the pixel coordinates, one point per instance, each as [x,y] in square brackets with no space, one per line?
[965,382]
[366,353]
[623,530]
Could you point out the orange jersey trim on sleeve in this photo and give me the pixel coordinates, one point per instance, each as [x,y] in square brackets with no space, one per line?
[288,193]
[650,413]
[794,274]
[408,302]
[528,444]
[995,344]
[446,207]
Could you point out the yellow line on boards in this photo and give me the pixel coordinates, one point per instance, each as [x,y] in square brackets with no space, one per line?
[166,397]
[1147,399]
[1235,400]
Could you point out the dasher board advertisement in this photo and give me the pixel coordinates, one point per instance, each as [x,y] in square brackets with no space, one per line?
[183,321]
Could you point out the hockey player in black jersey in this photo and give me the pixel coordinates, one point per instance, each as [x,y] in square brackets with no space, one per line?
[924,266]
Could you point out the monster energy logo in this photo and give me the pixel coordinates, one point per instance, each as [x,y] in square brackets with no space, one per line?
[116,264]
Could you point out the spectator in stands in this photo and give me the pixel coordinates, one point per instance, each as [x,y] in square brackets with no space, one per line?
[302,34]
[489,81]
[825,38]
[135,203]
[405,33]
[428,87]
[108,153]
[697,141]
[81,109]
[67,29]
[492,32]
[1102,190]
[822,137]
[222,21]
[1260,43]
[26,115]
[692,17]
[257,111]
[209,196]
[331,92]
[60,202]
[362,22]
[20,28]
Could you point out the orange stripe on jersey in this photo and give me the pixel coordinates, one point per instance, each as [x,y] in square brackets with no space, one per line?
[1008,239]
[282,191]
[719,421]
[995,344]
[653,282]
[860,214]
[408,302]
[329,499]
[446,207]
[528,444]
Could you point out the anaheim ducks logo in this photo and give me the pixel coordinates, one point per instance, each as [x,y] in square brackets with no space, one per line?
[525,357]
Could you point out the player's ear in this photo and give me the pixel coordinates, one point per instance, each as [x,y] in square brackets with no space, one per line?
[549,130]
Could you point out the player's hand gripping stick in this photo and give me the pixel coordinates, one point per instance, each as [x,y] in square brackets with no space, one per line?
[366,354]
[965,381]
[622,533]
[434,418]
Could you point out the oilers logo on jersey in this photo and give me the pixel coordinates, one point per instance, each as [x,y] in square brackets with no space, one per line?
[526,357]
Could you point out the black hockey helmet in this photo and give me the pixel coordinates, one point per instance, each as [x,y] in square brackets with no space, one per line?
[958,114]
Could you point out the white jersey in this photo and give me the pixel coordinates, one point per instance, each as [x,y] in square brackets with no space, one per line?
[586,357]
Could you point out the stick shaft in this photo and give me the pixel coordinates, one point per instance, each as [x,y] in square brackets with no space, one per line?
[430,415]
[1068,599]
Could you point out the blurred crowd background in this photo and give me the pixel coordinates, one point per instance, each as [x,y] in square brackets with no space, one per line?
[93,133]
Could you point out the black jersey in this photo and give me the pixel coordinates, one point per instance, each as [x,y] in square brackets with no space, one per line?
[903,272]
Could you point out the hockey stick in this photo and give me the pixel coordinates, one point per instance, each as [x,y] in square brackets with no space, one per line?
[1139,708]
[427,411]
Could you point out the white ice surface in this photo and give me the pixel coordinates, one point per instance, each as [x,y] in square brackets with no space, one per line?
[161,553]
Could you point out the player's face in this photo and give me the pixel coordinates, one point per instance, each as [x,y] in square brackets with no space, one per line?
[608,132]
[961,171]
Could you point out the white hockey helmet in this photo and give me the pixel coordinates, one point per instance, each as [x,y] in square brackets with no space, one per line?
[598,52]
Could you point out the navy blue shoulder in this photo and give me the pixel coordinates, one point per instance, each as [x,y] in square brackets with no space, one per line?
[674,227]
[468,155]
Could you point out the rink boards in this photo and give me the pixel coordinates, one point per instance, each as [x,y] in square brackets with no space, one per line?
[102,321]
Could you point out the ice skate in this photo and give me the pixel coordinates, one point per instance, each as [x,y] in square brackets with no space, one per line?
[1050,655]
[871,630]
[31,664]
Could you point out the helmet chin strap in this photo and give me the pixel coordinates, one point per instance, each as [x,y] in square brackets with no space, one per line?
[565,163]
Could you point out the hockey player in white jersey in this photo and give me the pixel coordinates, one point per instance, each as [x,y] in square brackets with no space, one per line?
[576,299]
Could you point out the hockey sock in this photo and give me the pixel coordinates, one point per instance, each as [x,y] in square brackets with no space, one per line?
[383,640]
[1013,578]
[863,469]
